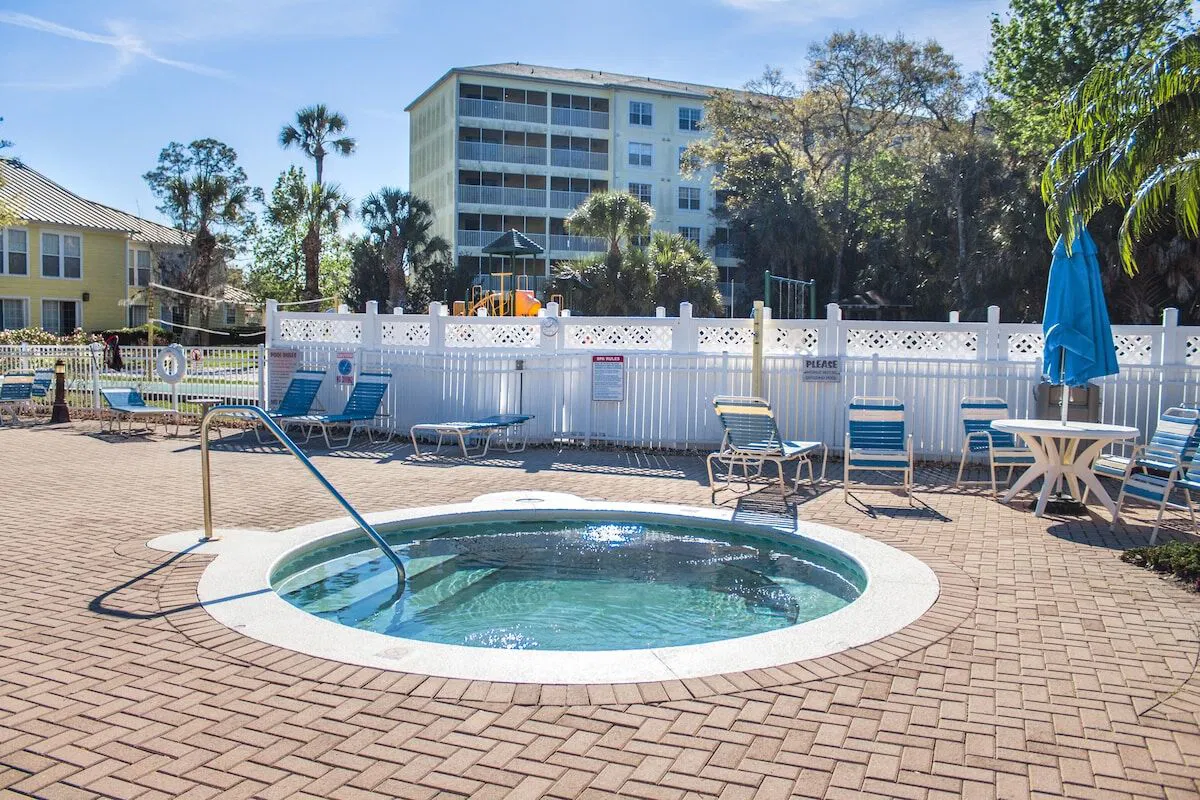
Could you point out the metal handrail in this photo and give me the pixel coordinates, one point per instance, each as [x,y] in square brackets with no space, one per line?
[240,411]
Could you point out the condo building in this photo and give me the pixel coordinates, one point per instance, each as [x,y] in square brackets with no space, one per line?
[516,146]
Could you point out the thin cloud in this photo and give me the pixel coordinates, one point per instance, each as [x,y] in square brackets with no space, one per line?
[128,46]
[804,11]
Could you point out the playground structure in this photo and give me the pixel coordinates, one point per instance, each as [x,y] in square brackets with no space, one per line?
[789,298]
[519,301]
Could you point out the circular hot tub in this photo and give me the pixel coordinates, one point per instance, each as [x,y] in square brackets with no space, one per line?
[550,588]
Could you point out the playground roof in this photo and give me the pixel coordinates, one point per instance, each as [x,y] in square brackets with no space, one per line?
[513,243]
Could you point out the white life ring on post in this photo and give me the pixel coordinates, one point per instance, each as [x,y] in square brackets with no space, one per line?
[171,364]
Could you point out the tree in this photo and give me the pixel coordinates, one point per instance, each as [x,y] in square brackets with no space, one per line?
[368,273]
[1131,141]
[1042,48]
[316,132]
[400,224]
[8,214]
[682,273]
[614,216]
[277,270]
[203,191]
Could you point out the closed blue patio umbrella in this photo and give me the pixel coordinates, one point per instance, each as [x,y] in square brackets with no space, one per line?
[1075,327]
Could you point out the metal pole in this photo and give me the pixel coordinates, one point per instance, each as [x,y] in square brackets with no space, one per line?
[812,299]
[766,287]
[756,351]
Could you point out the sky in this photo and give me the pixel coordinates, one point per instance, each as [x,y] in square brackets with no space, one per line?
[90,92]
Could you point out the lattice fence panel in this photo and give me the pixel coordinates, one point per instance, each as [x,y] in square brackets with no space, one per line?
[802,341]
[320,330]
[724,339]
[1025,347]
[1134,348]
[483,335]
[912,344]
[1191,350]
[619,337]
[404,334]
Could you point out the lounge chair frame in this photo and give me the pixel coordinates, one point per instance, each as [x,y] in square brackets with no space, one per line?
[877,440]
[482,431]
[751,440]
[127,404]
[1004,450]
[362,407]
[16,393]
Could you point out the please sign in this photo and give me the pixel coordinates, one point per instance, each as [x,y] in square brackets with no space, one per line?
[821,370]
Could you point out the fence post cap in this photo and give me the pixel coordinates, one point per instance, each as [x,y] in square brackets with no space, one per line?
[833,311]
[372,307]
[661,312]
[552,309]
[1170,317]
[994,315]
[685,309]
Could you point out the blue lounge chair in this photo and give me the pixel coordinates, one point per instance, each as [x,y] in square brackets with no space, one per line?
[298,399]
[124,403]
[43,380]
[475,437]
[361,409]
[1003,450]
[877,440]
[752,439]
[16,391]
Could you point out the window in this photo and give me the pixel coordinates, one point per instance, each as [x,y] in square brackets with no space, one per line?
[14,252]
[230,314]
[689,198]
[686,161]
[641,154]
[60,316]
[688,232]
[689,118]
[137,316]
[13,314]
[642,191]
[62,256]
[641,113]
[139,268]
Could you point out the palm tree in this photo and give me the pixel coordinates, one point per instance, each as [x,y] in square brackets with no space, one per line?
[317,132]
[1132,140]
[314,132]
[325,207]
[683,272]
[400,223]
[615,216]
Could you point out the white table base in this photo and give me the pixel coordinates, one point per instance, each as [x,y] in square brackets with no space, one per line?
[1058,457]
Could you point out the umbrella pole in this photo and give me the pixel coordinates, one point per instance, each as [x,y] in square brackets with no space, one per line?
[1065,397]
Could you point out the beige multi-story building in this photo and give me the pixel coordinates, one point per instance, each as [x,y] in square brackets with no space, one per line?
[516,146]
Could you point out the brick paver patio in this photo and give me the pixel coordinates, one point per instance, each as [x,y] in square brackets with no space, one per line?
[1046,668]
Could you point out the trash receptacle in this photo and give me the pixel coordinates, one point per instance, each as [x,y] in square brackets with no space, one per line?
[1083,403]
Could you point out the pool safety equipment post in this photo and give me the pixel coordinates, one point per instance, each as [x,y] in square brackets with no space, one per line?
[756,349]
[286,441]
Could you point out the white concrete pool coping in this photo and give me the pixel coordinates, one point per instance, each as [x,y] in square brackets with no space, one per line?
[235,590]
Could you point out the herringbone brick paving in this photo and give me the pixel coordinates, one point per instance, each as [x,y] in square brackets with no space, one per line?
[1047,668]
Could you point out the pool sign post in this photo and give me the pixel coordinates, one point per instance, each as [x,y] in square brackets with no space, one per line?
[345,368]
[608,378]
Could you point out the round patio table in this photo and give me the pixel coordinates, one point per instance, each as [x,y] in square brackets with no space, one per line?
[206,404]
[1056,448]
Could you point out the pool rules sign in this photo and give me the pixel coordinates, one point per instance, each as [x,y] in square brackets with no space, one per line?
[821,370]
[608,378]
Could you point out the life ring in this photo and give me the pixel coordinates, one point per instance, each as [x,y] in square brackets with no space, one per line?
[171,364]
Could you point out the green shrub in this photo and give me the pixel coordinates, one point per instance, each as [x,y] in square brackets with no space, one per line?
[139,335]
[1181,559]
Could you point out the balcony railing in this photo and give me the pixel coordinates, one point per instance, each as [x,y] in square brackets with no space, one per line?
[503,153]
[579,159]
[578,118]
[498,109]
[726,251]
[502,196]
[484,238]
[577,244]
[561,199]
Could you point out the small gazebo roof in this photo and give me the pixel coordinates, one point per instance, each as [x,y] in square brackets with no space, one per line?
[513,243]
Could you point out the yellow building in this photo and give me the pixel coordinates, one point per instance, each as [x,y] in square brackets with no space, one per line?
[73,263]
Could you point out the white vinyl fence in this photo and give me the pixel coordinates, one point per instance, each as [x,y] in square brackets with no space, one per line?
[454,368]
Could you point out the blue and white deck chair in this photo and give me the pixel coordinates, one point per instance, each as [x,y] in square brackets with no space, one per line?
[361,409]
[127,404]
[299,397]
[16,391]
[1151,472]
[752,439]
[1004,450]
[1172,447]
[43,380]
[877,440]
